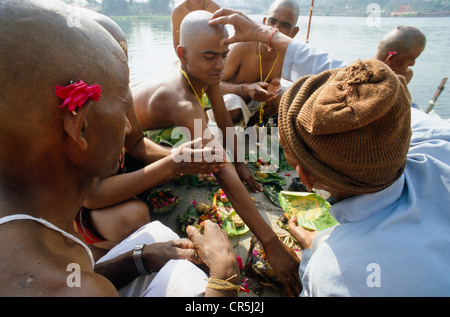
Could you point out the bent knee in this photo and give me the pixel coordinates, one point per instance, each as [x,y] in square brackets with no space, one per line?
[136,215]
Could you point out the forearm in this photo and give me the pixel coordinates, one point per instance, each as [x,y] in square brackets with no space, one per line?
[120,188]
[238,196]
[146,150]
[231,88]
[278,41]
[120,270]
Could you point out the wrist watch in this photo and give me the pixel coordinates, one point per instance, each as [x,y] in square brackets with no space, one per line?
[137,258]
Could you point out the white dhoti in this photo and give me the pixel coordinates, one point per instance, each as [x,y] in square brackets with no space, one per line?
[233,102]
[178,278]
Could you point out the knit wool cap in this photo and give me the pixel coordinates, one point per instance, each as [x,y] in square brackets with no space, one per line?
[350,128]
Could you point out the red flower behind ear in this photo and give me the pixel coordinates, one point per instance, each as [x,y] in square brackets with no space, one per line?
[76,94]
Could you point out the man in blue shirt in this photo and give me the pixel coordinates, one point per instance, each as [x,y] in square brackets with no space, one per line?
[353,133]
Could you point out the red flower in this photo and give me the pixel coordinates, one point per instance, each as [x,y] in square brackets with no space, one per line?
[76,94]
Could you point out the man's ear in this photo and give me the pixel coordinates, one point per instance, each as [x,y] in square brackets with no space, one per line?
[389,59]
[307,179]
[295,31]
[75,126]
[181,54]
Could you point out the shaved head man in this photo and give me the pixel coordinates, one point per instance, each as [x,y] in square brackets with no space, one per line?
[399,49]
[48,155]
[64,105]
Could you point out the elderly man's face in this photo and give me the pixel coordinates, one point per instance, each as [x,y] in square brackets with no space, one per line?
[283,19]
[401,62]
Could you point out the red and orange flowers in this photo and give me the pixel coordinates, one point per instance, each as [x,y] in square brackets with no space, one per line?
[76,94]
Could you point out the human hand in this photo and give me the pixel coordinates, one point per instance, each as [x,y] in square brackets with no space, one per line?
[274,87]
[192,157]
[246,30]
[156,255]
[246,176]
[214,249]
[285,264]
[303,236]
[260,91]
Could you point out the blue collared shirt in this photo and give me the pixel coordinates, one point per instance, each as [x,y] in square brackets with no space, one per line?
[301,60]
[395,242]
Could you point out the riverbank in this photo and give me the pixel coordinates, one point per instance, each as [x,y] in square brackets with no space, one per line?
[348,13]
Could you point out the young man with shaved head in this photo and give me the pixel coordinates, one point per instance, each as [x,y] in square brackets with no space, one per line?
[175,100]
[183,9]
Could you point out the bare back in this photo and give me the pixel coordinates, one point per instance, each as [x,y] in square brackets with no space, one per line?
[243,65]
[165,102]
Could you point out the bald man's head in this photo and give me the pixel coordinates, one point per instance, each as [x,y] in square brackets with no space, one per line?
[288,4]
[41,49]
[195,25]
[402,40]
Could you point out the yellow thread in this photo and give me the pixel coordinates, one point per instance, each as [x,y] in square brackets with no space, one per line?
[190,84]
[261,110]
[223,285]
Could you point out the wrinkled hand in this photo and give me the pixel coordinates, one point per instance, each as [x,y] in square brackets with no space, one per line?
[214,249]
[246,30]
[258,91]
[246,176]
[192,157]
[285,263]
[156,255]
[274,87]
[303,236]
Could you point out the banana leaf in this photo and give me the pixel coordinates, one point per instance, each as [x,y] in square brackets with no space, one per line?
[271,177]
[272,190]
[311,210]
[224,219]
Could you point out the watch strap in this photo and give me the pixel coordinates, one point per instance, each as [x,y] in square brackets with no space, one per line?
[137,258]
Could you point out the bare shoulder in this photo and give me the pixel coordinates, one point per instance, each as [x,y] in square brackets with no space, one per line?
[241,51]
[179,10]
[41,262]
[212,6]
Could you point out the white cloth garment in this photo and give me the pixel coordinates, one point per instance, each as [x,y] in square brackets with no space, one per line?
[50,226]
[178,278]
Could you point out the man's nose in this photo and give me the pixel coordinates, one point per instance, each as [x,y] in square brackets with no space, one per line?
[219,64]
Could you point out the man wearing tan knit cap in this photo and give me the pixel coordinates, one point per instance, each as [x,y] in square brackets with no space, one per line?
[349,131]
[350,111]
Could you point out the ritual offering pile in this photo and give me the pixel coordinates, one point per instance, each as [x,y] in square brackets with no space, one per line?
[257,264]
[220,211]
[162,201]
[198,180]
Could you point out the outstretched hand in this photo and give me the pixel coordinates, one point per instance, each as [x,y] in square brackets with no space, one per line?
[192,157]
[260,91]
[246,30]
[246,176]
[285,263]
[158,254]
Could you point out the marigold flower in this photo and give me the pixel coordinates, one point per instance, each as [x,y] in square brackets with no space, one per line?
[76,94]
